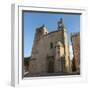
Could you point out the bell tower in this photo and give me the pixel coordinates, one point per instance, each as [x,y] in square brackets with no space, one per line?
[60,24]
[66,54]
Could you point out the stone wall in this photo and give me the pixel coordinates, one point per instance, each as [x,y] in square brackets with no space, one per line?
[75,38]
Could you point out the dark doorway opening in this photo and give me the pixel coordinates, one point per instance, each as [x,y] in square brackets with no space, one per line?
[50,64]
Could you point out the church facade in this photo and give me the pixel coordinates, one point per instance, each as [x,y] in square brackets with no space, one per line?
[50,51]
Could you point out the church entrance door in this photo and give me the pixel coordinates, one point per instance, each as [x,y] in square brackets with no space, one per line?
[50,65]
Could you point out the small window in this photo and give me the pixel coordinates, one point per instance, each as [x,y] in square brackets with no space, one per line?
[58,52]
[59,47]
[51,45]
[45,32]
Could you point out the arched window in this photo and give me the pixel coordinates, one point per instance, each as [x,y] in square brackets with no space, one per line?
[51,45]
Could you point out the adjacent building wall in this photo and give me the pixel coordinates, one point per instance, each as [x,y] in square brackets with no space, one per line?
[75,38]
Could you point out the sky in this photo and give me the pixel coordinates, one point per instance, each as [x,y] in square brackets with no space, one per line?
[32,20]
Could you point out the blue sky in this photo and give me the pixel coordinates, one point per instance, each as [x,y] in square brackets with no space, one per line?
[32,20]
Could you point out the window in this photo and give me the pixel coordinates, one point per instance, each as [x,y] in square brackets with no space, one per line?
[58,47]
[45,32]
[58,52]
[51,45]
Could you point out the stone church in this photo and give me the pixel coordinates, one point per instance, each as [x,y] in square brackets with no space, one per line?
[50,51]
